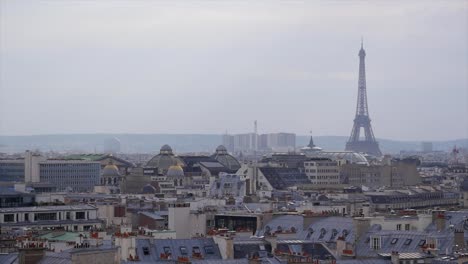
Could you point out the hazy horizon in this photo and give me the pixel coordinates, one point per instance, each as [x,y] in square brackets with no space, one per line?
[214,134]
[203,67]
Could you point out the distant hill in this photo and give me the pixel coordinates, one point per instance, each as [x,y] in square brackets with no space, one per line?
[150,143]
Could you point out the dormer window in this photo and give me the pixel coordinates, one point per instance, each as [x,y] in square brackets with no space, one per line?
[334,233]
[408,241]
[183,250]
[394,241]
[422,243]
[309,233]
[345,233]
[279,229]
[322,233]
[375,243]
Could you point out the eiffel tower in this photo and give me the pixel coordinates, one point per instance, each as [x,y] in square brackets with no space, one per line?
[368,145]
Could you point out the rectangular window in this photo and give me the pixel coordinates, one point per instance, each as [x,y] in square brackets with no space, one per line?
[80,215]
[407,227]
[7,218]
[394,241]
[45,216]
[408,241]
[183,250]
[209,250]
[398,227]
[167,251]
[196,250]
[375,243]
[146,251]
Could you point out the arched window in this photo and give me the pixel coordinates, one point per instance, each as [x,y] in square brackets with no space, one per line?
[322,233]
[310,231]
[334,233]
[345,233]
[279,229]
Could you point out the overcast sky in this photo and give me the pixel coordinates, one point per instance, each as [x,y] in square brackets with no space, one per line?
[215,66]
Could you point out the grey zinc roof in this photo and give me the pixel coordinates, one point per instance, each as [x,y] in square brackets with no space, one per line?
[456,218]
[157,248]
[285,222]
[282,178]
[224,261]
[47,208]
[9,258]
[329,225]
[401,241]
[53,222]
[363,261]
[57,257]
[152,215]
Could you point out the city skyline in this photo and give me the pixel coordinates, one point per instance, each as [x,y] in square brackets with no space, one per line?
[201,69]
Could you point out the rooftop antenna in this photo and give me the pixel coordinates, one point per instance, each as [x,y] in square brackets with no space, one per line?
[255,154]
[255,138]
[362,42]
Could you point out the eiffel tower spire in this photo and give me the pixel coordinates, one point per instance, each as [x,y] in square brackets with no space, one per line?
[362,120]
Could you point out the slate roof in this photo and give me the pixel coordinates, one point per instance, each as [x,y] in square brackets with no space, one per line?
[363,261]
[9,191]
[153,216]
[315,250]
[282,178]
[285,222]
[174,245]
[98,157]
[391,240]
[328,229]
[48,208]
[9,258]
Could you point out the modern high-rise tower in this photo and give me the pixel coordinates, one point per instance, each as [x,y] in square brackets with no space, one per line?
[368,144]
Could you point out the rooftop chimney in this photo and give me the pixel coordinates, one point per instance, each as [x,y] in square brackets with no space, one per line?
[30,255]
[459,238]
[395,258]
[439,219]
[361,226]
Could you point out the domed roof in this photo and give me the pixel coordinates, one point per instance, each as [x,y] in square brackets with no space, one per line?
[221,149]
[164,159]
[110,170]
[165,149]
[175,171]
[223,157]
[149,189]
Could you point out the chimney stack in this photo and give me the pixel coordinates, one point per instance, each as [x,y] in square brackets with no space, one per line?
[395,259]
[438,217]
[31,255]
[459,238]
[361,226]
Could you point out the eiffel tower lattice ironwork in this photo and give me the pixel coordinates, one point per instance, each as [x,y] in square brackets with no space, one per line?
[368,144]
